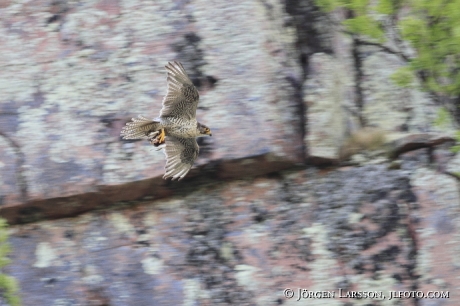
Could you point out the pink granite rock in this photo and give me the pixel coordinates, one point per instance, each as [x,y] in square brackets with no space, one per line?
[72,75]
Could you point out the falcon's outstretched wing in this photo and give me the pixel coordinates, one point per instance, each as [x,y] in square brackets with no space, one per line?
[180,155]
[182,97]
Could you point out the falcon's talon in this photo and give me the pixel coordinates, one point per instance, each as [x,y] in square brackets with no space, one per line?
[161,137]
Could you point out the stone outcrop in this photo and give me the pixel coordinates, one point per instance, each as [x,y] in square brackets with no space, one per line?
[273,201]
[82,71]
[243,242]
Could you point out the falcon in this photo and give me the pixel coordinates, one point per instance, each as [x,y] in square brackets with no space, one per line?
[176,129]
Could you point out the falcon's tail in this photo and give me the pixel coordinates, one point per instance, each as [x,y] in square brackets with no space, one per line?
[140,128]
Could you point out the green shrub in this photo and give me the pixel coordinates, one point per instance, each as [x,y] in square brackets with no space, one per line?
[8,284]
[432,27]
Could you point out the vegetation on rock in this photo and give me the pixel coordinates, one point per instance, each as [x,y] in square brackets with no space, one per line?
[432,29]
[8,284]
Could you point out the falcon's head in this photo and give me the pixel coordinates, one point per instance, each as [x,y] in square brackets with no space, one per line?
[204,130]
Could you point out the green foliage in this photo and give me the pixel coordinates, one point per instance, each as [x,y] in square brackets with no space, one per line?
[403,77]
[456,147]
[433,30]
[8,284]
[385,7]
[364,25]
[432,27]
[328,5]
[442,118]
[362,22]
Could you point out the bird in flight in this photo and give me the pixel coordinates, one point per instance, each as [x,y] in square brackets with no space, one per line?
[176,129]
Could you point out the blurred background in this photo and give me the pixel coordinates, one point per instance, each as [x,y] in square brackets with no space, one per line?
[333,164]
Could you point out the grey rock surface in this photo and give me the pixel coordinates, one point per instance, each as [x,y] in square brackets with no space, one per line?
[243,242]
[82,70]
[281,87]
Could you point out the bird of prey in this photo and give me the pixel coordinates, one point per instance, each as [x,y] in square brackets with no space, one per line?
[176,129]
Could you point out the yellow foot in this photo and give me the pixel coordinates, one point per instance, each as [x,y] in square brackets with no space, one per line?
[157,138]
[161,137]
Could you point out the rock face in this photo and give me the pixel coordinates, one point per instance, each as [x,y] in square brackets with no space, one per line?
[324,92]
[281,87]
[243,242]
[83,71]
